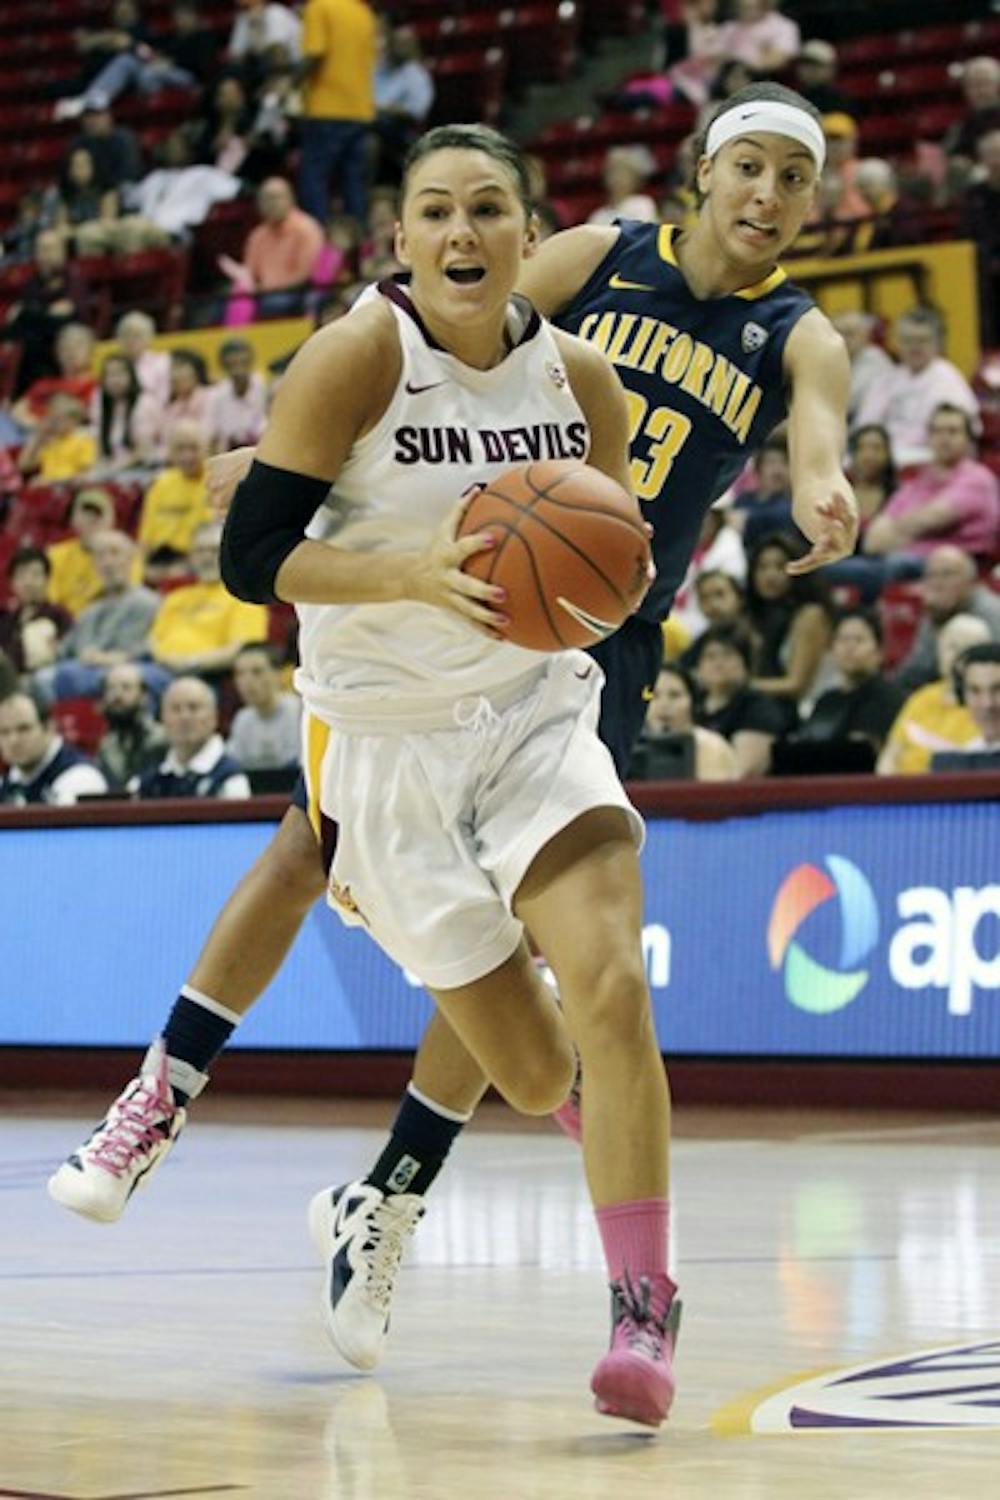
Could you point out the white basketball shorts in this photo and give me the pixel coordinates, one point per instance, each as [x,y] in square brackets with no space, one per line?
[434,831]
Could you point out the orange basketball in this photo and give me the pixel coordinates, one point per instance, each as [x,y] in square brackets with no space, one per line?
[572,552]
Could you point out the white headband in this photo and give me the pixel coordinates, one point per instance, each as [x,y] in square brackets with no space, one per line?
[774,117]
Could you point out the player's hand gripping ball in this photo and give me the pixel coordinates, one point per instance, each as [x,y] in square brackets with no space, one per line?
[572,552]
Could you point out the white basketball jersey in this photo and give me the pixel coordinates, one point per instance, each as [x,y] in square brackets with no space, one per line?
[447,427]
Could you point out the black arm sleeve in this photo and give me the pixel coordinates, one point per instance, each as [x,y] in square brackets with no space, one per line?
[267,520]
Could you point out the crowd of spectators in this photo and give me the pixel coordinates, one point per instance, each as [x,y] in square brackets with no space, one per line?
[299,115]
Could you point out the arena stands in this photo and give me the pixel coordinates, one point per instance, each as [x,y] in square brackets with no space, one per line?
[913,142]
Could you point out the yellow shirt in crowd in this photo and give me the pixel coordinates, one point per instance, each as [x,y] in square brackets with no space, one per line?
[66,456]
[341,33]
[929,721]
[204,617]
[174,507]
[74,582]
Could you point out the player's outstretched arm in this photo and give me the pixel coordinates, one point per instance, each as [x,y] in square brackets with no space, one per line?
[561,265]
[823,503]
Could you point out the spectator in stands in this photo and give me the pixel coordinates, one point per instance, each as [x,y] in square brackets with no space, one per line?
[60,447]
[237,408]
[176,503]
[201,627]
[951,499]
[43,768]
[180,60]
[719,549]
[134,741]
[816,79]
[280,252]
[100,46]
[872,471]
[950,587]
[978,676]
[32,626]
[189,396]
[134,333]
[274,122]
[865,704]
[9,680]
[904,400]
[841,132]
[197,763]
[124,421]
[74,581]
[222,140]
[115,628]
[377,252]
[767,507]
[75,357]
[337,263]
[47,303]
[981,223]
[888,220]
[981,86]
[339,57]
[179,195]
[403,89]
[261,26]
[789,616]
[931,719]
[81,204]
[762,37]
[693,76]
[671,740]
[869,361]
[717,598]
[749,720]
[626,171]
[115,148]
[265,732]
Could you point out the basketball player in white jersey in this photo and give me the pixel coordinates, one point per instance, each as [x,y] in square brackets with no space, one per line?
[258,924]
[456,782]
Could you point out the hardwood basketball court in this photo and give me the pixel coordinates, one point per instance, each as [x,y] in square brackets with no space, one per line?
[181,1353]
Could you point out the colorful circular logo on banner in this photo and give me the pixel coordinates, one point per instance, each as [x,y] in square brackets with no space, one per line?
[810,985]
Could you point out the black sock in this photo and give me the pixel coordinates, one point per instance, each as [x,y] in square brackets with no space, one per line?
[421,1139]
[197,1029]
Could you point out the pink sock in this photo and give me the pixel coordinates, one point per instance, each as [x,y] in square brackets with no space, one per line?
[636,1237]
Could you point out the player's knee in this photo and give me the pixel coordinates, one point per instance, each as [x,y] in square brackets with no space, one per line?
[294,864]
[539,1084]
[612,1008]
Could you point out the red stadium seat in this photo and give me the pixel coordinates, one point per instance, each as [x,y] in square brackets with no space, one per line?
[154,280]
[469,86]
[80,721]
[900,607]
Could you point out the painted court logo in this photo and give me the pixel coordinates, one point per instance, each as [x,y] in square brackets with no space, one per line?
[957,1386]
[810,985]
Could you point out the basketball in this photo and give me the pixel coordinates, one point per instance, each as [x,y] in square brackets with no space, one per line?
[572,552]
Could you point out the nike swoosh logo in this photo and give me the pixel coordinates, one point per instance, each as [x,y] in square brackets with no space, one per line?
[647,695]
[418,390]
[620,284]
[584,674]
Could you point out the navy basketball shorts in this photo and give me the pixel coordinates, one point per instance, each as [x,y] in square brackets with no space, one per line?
[631,661]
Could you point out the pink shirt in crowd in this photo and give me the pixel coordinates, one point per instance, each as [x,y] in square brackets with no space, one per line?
[751,42]
[233,420]
[153,371]
[283,255]
[973,493]
[904,403]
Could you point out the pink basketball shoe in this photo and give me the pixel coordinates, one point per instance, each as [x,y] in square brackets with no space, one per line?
[635,1379]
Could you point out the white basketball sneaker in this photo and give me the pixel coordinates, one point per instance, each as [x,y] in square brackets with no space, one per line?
[126,1148]
[360,1233]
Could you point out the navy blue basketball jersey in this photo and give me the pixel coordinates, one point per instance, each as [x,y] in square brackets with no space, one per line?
[704,382]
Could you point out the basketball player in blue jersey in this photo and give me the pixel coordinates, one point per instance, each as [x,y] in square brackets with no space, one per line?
[710,342]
